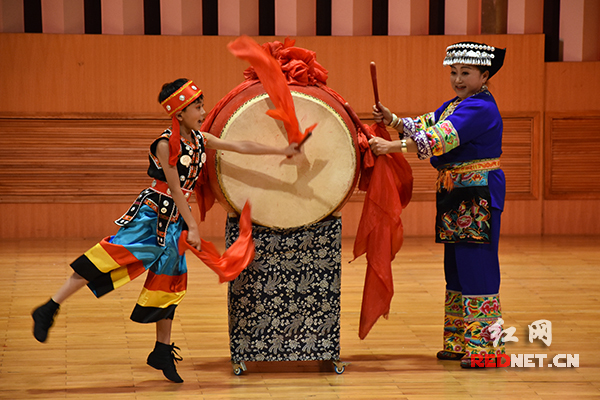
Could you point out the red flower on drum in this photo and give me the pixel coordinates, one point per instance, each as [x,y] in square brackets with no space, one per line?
[464,221]
[270,74]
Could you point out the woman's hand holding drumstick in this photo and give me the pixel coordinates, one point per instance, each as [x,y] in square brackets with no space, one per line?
[380,113]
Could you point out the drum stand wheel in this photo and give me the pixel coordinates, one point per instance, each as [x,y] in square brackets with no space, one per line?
[239,367]
[339,366]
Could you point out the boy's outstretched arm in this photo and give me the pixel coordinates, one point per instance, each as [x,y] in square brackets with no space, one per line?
[248,147]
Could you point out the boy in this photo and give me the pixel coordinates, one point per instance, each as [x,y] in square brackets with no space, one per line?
[150,230]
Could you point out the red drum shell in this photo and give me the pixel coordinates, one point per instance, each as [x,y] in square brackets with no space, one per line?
[285,193]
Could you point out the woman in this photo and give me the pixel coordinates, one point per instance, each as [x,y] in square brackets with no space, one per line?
[463,140]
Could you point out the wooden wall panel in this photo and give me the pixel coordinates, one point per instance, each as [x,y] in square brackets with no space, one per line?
[522,217]
[418,218]
[66,160]
[520,155]
[571,166]
[572,87]
[105,74]
[572,92]
[571,217]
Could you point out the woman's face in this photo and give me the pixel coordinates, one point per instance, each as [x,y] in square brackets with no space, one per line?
[466,80]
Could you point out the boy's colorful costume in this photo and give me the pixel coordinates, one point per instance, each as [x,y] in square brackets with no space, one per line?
[463,140]
[153,237]
[150,229]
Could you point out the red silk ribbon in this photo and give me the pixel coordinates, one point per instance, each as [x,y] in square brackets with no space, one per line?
[235,259]
[388,181]
[271,76]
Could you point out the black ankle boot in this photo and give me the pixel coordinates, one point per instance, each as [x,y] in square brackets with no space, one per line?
[164,357]
[43,318]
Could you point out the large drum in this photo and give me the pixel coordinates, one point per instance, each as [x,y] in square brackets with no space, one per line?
[285,192]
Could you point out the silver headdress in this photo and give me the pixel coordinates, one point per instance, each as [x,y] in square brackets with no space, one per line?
[472,53]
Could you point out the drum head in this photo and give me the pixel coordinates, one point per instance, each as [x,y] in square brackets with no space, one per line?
[288,192]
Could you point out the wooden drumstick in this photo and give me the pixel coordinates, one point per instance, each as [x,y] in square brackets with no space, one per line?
[356,120]
[308,134]
[374,80]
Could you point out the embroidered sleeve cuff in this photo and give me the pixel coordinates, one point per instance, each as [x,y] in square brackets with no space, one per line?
[444,137]
[408,128]
[423,145]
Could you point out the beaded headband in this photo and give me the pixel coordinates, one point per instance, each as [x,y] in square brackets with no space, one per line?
[181,98]
[472,53]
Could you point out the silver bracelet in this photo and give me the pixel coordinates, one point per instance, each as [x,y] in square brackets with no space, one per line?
[394,122]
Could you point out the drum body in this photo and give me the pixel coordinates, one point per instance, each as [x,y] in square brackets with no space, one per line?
[285,192]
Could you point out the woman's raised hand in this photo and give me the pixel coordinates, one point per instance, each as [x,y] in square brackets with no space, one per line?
[382,113]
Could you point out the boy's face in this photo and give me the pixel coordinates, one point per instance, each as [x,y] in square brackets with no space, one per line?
[193,115]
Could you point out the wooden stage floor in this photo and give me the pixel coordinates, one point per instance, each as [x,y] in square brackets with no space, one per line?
[95,352]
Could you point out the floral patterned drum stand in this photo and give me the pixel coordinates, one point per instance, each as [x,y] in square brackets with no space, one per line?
[285,306]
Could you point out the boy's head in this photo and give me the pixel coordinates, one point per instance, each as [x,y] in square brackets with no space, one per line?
[188,94]
[176,97]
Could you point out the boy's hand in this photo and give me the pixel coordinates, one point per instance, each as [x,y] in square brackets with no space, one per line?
[193,238]
[292,150]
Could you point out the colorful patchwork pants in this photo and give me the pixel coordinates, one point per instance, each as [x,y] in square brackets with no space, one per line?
[119,259]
